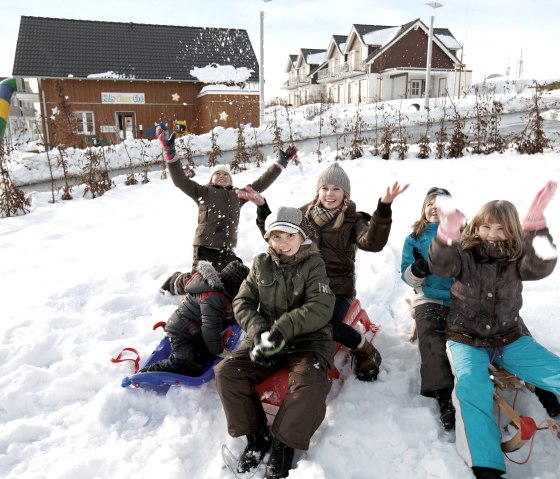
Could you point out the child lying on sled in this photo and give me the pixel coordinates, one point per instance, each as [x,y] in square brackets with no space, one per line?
[194,329]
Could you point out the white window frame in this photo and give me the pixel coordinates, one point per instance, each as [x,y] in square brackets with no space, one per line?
[85,119]
[415,88]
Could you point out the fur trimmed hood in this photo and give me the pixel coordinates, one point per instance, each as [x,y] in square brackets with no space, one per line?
[208,279]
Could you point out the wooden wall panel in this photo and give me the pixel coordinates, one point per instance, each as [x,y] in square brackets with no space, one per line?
[411,51]
[164,101]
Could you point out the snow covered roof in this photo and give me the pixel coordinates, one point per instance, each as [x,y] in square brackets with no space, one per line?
[61,48]
[449,41]
[381,37]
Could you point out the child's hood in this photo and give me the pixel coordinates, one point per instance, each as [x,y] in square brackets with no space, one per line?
[208,279]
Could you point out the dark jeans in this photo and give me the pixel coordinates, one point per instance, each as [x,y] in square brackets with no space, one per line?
[435,371]
[342,333]
[218,257]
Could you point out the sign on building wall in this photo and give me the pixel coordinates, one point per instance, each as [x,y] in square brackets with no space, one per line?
[123,98]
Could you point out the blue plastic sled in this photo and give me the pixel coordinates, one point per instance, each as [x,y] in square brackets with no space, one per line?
[162,381]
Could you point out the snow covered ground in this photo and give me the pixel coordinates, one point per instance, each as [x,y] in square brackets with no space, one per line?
[80,281]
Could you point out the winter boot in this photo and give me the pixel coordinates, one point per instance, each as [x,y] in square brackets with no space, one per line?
[367,360]
[446,409]
[487,473]
[175,284]
[258,443]
[280,462]
[550,402]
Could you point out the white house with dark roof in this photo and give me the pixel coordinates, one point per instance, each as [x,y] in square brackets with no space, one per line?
[376,62]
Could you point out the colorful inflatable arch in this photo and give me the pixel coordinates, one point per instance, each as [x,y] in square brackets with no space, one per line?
[7,88]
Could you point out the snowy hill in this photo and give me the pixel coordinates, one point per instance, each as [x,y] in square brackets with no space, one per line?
[80,281]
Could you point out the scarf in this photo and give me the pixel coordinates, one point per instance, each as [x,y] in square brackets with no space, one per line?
[321,216]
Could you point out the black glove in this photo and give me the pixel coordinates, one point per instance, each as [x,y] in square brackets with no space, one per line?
[263,212]
[167,141]
[264,348]
[285,156]
[420,267]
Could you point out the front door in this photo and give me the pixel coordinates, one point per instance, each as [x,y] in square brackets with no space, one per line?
[126,124]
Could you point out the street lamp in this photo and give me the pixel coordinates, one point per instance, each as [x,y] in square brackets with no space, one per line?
[261,72]
[429,60]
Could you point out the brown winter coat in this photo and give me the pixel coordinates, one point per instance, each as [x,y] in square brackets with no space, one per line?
[486,297]
[338,247]
[291,295]
[218,207]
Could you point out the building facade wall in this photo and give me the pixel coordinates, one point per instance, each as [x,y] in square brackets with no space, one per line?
[135,107]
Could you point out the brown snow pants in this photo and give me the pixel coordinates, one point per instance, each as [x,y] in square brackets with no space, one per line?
[303,408]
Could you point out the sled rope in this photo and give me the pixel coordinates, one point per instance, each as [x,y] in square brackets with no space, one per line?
[136,360]
[528,454]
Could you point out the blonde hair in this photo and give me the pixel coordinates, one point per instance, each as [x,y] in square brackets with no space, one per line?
[501,212]
[418,227]
[339,217]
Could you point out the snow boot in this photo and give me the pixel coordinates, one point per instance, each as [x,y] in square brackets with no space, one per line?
[258,443]
[280,461]
[487,473]
[367,360]
[175,284]
[549,401]
[446,409]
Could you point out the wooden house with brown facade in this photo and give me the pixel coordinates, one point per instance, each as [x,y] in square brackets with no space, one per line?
[377,63]
[121,79]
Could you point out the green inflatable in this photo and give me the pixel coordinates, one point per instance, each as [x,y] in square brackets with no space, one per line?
[7,88]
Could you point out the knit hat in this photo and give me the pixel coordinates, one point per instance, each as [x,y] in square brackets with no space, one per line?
[434,190]
[232,276]
[334,175]
[224,168]
[288,220]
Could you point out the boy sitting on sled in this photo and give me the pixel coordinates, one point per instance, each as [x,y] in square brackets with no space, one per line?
[284,306]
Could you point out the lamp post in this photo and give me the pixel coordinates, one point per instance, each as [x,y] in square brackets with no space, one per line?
[261,72]
[429,60]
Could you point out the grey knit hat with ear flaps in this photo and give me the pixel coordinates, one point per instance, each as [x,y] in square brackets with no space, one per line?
[334,175]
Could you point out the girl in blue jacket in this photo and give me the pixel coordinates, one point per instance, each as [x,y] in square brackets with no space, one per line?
[430,305]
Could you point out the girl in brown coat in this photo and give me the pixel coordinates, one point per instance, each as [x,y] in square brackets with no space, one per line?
[219,207]
[490,260]
[339,230]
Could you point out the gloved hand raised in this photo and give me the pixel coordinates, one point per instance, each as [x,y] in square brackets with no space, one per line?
[420,267]
[167,141]
[265,346]
[285,156]
[534,219]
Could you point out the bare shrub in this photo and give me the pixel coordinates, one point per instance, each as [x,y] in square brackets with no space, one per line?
[13,201]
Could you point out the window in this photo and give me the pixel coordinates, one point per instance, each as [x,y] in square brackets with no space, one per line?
[85,124]
[415,88]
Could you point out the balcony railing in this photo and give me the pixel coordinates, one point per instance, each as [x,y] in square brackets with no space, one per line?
[346,69]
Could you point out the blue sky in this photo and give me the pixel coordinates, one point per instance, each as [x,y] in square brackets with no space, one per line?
[493,32]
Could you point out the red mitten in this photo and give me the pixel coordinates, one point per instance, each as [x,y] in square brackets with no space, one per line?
[534,219]
[450,222]
[168,143]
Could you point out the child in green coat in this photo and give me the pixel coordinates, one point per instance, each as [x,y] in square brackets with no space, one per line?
[284,306]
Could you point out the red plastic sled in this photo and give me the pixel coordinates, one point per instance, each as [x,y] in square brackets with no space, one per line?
[273,390]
